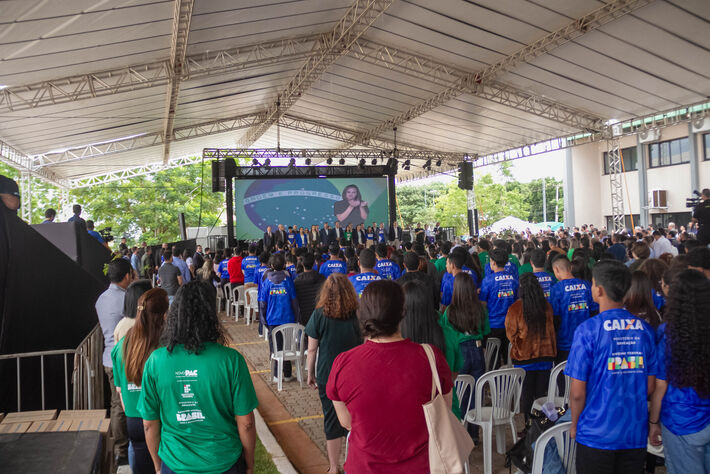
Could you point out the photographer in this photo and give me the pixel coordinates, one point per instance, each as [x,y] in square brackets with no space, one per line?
[701,216]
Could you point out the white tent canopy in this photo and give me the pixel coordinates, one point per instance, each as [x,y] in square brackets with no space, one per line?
[512,223]
[95,91]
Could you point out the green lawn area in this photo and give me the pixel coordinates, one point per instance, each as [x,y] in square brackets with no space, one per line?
[262,460]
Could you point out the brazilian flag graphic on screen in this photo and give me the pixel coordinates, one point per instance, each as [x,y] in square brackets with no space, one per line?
[306,201]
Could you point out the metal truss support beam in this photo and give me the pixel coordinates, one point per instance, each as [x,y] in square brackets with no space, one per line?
[321,129]
[351,155]
[144,170]
[617,190]
[158,73]
[448,76]
[144,141]
[330,46]
[450,160]
[26,196]
[23,163]
[597,18]
[182,17]
[263,172]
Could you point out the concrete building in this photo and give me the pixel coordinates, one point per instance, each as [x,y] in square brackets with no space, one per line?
[662,168]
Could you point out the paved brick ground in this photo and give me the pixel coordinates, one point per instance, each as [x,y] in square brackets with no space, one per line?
[304,403]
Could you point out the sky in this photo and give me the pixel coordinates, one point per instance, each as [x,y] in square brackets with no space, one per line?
[545,165]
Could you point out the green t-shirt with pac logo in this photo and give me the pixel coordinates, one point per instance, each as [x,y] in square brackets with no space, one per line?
[196,397]
[130,392]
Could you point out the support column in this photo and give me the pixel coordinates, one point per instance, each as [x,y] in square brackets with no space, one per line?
[392,199]
[471,212]
[568,190]
[229,198]
[694,155]
[617,191]
[643,182]
[26,196]
[64,211]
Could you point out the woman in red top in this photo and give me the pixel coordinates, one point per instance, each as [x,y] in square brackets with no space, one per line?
[379,387]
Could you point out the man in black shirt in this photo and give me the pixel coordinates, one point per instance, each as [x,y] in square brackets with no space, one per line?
[308,285]
[419,233]
[701,215]
[411,263]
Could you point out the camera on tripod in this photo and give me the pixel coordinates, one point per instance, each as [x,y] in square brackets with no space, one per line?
[693,201]
[106,234]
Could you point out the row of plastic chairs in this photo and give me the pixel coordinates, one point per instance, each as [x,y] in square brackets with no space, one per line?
[505,388]
[236,298]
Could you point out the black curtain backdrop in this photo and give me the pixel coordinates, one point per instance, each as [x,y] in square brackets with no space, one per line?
[46,302]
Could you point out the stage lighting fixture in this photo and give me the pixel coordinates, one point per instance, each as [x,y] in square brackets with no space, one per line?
[438,163]
[341,161]
[406,165]
[308,161]
[329,161]
[292,162]
[374,161]
[427,165]
[267,162]
[361,164]
[255,162]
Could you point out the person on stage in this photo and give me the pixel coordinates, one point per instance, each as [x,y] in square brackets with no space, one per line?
[352,209]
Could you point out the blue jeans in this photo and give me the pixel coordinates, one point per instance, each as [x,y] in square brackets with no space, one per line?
[687,454]
[474,363]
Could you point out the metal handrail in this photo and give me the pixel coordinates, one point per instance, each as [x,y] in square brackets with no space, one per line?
[42,354]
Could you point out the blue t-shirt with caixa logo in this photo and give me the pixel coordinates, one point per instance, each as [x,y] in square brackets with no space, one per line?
[498,291]
[683,411]
[249,266]
[361,280]
[613,353]
[510,268]
[333,266]
[278,298]
[546,282]
[572,301]
[447,284]
[387,269]
[259,274]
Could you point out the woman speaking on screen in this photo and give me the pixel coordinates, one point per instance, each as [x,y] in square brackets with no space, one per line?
[352,209]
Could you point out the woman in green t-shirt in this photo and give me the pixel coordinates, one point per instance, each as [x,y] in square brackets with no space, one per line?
[349,233]
[333,328]
[129,356]
[465,323]
[198,399]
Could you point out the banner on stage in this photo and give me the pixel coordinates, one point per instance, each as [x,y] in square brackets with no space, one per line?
[305,201]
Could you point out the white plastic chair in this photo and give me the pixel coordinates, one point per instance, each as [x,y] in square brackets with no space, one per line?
[566,448]
[490,354]
[509,363]
[552,393]
[237,300]
[227,290]
[505,387]
[220,298]
[251,307]
[463,383]
[293,349]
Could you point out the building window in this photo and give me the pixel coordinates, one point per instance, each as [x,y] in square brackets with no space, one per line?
[628,157]
[671,152]
[706,142]
[679,218]
[627,221]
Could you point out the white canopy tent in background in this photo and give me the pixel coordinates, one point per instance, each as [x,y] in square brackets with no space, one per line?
[513,223]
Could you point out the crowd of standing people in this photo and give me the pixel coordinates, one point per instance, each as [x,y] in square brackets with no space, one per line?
[627,312]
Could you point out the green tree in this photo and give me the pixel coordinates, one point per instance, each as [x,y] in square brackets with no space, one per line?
[147,207]
[44,195]
[496,201]
[416,203]
[450,208]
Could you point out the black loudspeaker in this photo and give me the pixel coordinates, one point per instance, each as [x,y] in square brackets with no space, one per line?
[466,175]
[217,176]
[181,223]
[230,168]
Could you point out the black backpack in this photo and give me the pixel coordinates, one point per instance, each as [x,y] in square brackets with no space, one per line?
[521,454]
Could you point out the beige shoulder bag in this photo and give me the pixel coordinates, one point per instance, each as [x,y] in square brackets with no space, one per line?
[449,442]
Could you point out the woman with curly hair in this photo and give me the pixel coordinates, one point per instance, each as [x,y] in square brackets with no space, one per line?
[197,398]
[129,356]
[680,404]
[333,328]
